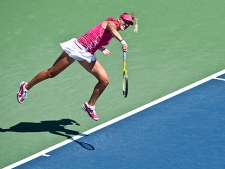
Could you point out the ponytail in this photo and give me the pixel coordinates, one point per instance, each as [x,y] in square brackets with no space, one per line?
[135,19]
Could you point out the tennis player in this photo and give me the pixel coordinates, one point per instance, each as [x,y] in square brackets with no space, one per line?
[83,50]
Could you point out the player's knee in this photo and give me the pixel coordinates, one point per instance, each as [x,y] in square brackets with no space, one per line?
[50,74]
[106,81]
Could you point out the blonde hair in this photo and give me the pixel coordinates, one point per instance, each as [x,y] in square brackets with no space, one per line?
[135,19]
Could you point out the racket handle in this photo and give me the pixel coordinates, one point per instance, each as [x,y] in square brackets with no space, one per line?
[124,55]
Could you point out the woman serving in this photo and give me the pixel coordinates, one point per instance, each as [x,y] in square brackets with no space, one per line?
[83,50]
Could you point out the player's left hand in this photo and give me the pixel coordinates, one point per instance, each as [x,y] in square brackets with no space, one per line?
[106,52]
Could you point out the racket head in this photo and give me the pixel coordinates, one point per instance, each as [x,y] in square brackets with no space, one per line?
[125,85]
[125,76]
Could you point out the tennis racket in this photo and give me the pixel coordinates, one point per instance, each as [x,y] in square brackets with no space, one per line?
[125,76]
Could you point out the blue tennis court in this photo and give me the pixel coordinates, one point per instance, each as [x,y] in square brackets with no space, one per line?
[184,129]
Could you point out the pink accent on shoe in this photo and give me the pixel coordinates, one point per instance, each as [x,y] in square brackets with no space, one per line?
[90,110]
[22,93]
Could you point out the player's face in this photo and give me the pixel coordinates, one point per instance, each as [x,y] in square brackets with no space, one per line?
[124,24]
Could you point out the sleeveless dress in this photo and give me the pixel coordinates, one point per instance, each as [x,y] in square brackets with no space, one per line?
[85,46]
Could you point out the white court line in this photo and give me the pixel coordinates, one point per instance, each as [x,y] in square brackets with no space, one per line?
[219,79]
[45,152]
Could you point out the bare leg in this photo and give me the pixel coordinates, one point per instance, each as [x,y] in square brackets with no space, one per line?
[60,64]
[96,69]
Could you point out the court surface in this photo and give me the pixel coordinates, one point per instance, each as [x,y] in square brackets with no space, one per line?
[184,129]
[178,43]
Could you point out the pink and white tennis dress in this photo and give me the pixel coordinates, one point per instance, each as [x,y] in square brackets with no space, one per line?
[84,47]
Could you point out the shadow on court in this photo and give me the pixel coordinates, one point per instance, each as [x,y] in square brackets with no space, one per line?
[84,145]
[54,127]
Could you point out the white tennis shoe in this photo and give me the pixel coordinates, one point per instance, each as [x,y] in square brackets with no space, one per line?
[90,110]
[22,93]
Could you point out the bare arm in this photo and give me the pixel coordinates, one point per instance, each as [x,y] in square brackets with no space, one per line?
[110,26]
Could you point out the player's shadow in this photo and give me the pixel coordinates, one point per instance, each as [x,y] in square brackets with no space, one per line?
[54,127]
[84,145]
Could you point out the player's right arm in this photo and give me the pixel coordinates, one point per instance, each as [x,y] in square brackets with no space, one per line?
[111,27]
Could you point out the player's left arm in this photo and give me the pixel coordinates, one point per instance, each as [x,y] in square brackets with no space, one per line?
[105,51]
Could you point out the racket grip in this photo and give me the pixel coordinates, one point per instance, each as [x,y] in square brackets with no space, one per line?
[124,55]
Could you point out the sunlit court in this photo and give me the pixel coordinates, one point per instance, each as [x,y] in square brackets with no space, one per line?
[172,116]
